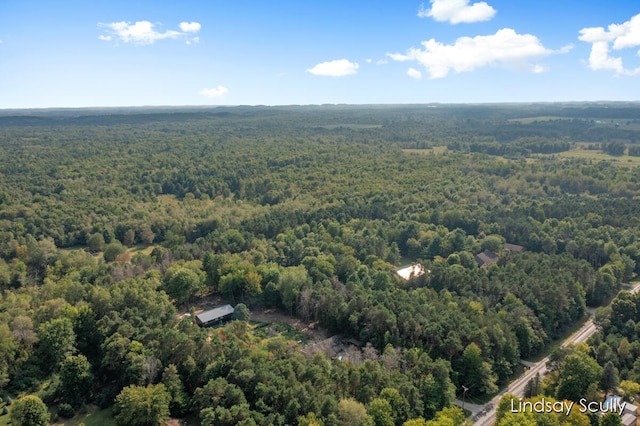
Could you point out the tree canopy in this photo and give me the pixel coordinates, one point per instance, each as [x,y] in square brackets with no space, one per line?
[114,226]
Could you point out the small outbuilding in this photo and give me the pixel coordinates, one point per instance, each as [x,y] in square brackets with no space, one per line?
[486,258]
[411,271]
[514,248]
[215,316]
[629,419]
[629,411]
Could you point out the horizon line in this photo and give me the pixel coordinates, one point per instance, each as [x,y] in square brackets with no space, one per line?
[165,106]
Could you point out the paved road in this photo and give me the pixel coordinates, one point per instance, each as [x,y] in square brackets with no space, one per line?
[518,385]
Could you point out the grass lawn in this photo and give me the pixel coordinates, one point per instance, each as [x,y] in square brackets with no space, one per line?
[97,417]
[94,417]
[265,330]
[140,248]
[4,420]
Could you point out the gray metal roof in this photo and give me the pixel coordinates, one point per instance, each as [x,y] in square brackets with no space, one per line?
[487,258]
[215,314]
[514,247]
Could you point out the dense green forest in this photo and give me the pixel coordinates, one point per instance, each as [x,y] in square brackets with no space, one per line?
[115,223]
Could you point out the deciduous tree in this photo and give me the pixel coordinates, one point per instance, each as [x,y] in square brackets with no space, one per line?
[577,373]
[29,411]
[76,379]
[56,342]
[142,406]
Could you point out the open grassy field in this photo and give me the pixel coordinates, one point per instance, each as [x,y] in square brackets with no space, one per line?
[139,248]
[622,160]
[612,122]
[583,154]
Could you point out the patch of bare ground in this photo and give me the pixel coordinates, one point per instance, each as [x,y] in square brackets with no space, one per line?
[311,329]
[342,349]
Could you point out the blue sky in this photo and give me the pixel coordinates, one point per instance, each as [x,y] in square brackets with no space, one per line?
[246,52]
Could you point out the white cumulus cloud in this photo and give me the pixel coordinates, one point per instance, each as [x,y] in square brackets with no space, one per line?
[505,48]
[414,73]
[144,32]
[616,37]
[337,68]
[457,11]
[190,27]
[216,92]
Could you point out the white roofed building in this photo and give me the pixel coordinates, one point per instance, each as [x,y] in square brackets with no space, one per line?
[411,271]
